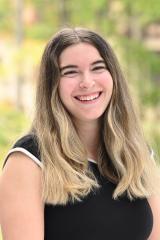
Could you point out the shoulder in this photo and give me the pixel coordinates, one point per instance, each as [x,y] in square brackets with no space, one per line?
[28,145]
[154,202]
[21,197]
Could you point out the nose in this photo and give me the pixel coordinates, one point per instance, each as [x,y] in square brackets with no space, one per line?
[87,81]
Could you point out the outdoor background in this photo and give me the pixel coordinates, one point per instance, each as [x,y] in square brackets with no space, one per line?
[131,27]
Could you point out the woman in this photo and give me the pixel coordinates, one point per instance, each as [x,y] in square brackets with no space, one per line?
[92,174]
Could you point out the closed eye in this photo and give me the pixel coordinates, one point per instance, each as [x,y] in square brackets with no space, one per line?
[70,73]
[99,68]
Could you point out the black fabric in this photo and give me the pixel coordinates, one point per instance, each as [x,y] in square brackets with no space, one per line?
[29,143]
[97,216]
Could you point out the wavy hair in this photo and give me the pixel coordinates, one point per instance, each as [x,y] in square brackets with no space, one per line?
[124,157]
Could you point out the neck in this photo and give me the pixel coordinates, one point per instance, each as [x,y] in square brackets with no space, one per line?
[89,134]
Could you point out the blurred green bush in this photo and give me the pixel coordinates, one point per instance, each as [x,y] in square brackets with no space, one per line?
[13,124]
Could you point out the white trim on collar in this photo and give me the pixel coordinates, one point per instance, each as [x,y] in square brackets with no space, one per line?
[30,155]
[92,160]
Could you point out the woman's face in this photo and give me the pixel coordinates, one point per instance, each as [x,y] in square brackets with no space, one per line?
[85,86]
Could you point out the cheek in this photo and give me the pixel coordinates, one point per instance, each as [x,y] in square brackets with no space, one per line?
[65,88]
[106,81]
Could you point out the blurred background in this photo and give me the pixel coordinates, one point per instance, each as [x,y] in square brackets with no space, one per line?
[131,27]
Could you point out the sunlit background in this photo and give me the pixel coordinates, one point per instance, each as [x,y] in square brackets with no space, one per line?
[131,27]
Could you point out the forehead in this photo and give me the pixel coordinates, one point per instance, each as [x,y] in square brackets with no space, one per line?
[78,54]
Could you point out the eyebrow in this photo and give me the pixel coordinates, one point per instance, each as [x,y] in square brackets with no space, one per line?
[98,61]
[75,66]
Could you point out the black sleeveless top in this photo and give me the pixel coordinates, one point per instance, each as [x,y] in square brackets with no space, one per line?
[98,216]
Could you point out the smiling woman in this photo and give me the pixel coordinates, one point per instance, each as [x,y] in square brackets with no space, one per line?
[85,88]
[83,171]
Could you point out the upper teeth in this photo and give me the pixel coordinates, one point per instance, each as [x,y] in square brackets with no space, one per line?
[88,98]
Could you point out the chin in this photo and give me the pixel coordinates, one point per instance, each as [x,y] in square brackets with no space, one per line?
[88,118]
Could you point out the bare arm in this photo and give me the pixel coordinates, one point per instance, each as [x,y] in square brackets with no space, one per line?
[155,206]
[21,205]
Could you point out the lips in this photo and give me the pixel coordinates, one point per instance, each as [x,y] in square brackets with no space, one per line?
[88,97]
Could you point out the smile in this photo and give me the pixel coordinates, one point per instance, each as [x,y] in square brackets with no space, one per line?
[88,98]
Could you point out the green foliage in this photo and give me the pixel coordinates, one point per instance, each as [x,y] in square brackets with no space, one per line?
[146,11]
[6,15]
[47,13]
[39,31]
[93,14]
[12,124]
[142,69]
[151,97]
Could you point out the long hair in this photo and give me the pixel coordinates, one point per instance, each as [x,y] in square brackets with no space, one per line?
[66,175]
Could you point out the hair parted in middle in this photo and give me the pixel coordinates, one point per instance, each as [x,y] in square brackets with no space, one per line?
[124,157]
